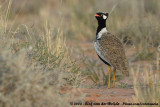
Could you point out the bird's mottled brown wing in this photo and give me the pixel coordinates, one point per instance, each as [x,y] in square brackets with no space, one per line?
[113,51]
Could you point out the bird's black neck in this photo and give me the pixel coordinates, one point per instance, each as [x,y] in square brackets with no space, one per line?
[101,25]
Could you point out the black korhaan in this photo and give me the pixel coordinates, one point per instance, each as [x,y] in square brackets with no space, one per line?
[109,48]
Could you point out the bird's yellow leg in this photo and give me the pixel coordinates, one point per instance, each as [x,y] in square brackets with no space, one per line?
[109,74]
[114,70]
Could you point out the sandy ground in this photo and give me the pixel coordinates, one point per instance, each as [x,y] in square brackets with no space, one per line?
[101,97]
[111,97]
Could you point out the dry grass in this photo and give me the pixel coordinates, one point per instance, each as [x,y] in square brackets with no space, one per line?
[34,70]
[35,60]
[25,83]
[147,86]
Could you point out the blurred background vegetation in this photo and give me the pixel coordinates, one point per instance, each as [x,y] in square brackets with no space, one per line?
[41,41]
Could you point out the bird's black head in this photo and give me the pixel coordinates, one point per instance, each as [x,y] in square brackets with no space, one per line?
[101,16]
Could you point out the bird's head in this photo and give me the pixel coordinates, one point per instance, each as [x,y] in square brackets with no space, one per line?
[101,16]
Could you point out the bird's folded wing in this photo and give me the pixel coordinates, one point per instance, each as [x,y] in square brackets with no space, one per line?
[113,51]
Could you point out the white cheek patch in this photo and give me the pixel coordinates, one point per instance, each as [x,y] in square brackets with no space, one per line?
[104,17]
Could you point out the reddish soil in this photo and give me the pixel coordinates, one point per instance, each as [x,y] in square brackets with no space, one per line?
[113,95]
[109,97]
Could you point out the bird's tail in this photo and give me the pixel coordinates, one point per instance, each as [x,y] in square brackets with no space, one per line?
[125,72]
[124,68]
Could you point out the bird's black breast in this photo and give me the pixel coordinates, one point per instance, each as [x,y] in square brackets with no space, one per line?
[104,61]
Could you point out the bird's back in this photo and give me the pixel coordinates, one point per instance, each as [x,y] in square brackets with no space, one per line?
[111,50]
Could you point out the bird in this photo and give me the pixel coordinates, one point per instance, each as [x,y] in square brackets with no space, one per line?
[109,48]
